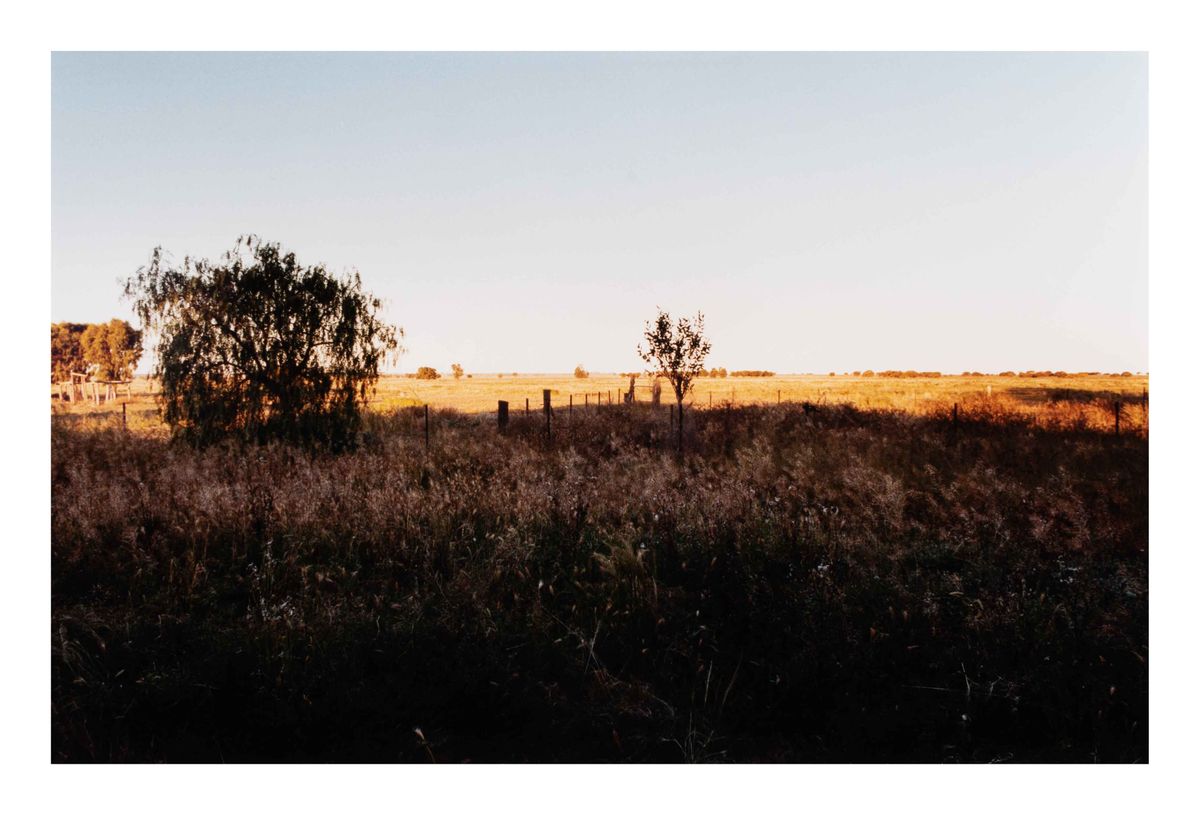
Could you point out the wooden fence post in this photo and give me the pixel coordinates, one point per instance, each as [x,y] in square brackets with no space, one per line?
[526,405]
[779,397]
[1116,417]
[502,415]
[570,405]
[427,427]
[124,422]
[546,408]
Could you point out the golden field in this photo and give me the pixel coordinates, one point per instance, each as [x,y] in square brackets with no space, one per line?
[1086,399]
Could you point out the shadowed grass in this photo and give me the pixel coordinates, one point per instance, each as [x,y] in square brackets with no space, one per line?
[808,583]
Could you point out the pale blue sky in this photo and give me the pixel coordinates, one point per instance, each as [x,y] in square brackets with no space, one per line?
[528,211]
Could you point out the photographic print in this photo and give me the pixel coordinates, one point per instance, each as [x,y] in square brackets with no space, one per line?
[599,407]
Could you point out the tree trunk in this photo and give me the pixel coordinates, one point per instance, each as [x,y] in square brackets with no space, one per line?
[679,427]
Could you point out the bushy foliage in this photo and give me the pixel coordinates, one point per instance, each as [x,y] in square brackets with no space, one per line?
[66,350]
[259,347]
[580,373]
[114,347]
[457,370]
[426,372]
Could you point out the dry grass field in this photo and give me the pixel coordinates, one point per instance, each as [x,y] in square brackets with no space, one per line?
[849,575]
[1058,400]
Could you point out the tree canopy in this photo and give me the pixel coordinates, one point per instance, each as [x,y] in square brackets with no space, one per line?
[258,346]
[114,348]
[676,350]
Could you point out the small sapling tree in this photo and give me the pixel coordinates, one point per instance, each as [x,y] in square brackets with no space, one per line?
[676,351]
[457,370]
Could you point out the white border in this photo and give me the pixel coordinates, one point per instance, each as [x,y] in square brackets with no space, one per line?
[32,32]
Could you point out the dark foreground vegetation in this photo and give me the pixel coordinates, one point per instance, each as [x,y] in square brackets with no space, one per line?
[806,584]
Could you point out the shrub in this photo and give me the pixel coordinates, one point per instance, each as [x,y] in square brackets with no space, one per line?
[425,372]
[457,370]
[580,373]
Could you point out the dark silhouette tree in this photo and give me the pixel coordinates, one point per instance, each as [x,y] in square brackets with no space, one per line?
[677,352]
[259,347]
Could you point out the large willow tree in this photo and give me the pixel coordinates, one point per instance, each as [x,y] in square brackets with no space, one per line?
[259,347]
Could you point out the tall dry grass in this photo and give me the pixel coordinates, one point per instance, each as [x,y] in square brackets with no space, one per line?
[809,582]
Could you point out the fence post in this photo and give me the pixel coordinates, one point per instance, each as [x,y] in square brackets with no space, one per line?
[570,405]
[526,405]
[426,426]
[779,397]
[502,415]
[124,423]
[546,408]
[1116,417]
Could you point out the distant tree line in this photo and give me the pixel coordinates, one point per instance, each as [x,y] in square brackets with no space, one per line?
[114,348]
[751,373]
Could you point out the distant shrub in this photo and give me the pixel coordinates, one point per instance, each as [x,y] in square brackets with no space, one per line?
[717,373]
[580,373]
[752,373]
[457,370]
[868,372]
[425,372]
[831,373]
[1006,373]
[1126,373]
[911,374]
[857,373]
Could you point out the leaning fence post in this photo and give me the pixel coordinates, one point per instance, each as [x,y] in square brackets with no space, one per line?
[502,415]
[546,408]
